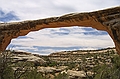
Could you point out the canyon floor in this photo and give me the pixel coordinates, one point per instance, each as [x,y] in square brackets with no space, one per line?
[78,64]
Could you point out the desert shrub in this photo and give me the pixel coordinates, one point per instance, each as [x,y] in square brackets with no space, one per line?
[10,69]
[51,63]
[109,71]
[33,74]
[61,76]
[6,72]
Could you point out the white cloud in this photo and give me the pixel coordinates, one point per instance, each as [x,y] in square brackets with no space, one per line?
[46,37]
[34,9]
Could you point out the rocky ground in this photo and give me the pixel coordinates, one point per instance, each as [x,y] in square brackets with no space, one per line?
[75,64]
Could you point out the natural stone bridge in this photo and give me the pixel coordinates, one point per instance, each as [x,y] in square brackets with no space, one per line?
[106,20]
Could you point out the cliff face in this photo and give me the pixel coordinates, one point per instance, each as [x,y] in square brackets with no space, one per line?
[107,20]
[78,55]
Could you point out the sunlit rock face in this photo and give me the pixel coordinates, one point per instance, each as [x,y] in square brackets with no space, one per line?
[106,20]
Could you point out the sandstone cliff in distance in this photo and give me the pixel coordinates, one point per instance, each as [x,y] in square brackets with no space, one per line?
[107,20]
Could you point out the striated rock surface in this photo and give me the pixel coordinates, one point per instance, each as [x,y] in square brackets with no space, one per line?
[76,56]
[23,56]
[106,20]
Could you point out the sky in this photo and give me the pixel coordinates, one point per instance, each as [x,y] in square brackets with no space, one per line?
[51,40]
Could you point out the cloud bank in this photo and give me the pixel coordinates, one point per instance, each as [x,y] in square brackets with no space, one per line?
[36,9]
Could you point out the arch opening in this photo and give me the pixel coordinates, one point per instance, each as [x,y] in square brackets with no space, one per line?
[51,40]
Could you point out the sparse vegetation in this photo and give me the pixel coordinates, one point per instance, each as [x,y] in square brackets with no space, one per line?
[6,71]
[104,65]
[61,76]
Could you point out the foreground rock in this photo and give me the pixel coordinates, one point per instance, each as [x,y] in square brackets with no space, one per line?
[76,74]
[107,20]
[72,74]
[51,69]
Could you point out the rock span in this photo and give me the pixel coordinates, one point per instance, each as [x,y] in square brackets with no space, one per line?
[106,20]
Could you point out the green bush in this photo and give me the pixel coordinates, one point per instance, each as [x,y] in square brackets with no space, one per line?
[61,76]
[33,74]
[6,71]
[109,71]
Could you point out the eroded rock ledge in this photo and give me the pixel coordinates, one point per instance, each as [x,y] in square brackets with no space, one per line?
[106,20]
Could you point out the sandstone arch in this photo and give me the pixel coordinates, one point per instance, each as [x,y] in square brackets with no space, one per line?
[107,20]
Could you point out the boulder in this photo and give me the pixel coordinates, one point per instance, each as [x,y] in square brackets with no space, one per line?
[76,74]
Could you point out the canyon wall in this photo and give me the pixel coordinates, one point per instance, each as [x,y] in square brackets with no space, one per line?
[107,20]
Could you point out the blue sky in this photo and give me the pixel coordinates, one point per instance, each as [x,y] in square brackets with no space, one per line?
[7,16]
[55,39]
